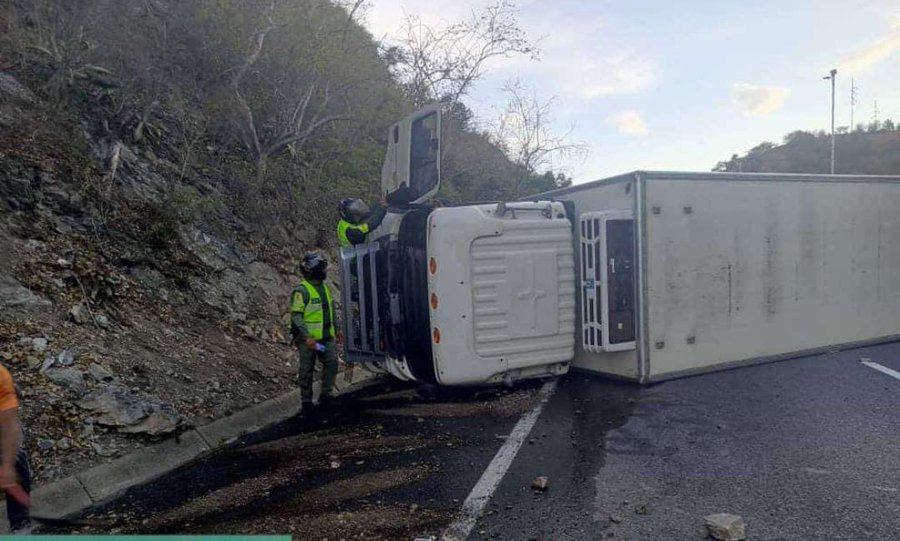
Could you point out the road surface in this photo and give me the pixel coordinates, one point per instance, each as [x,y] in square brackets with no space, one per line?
[802,449]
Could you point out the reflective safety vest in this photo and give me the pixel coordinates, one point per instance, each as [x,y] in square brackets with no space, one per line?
[313,315]
[344,226]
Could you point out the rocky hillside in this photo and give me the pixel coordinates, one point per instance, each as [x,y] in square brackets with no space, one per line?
[112,339]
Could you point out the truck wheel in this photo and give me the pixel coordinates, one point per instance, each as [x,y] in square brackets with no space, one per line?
[429,391]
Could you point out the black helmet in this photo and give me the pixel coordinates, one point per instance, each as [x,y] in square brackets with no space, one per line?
[313,264]
[353,210]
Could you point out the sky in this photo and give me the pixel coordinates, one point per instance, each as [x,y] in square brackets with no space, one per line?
[683,85]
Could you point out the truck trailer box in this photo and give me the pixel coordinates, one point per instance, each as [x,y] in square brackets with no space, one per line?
[680,273]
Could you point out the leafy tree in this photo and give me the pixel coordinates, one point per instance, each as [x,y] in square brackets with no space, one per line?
[874,153]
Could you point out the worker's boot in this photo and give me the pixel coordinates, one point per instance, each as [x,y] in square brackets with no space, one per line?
[306,406]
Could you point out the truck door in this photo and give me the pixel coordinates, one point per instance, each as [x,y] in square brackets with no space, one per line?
[412,166]
[607,271]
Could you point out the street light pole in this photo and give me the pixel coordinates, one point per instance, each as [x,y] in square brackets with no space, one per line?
[831,76]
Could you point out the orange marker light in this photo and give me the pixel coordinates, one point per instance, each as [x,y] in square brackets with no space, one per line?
[434,301]
[437,336]
[432,266]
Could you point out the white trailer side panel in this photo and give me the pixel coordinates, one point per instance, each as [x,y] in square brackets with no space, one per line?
[747,269]
[616,194]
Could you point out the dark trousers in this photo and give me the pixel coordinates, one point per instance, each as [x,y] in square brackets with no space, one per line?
[16,512]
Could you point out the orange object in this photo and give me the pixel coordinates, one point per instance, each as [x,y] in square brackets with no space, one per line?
[17,493]
[437,336]
[8,399]
[432,266]
[434,301]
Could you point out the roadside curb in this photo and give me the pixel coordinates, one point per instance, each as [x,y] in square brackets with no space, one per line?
[106,481]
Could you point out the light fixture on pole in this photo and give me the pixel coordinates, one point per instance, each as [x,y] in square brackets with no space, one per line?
[832,75]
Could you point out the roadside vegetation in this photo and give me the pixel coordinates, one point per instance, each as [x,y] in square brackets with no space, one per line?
[867,150]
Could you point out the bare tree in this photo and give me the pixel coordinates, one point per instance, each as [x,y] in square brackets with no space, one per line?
[524,130]
[302,101]
[442,62]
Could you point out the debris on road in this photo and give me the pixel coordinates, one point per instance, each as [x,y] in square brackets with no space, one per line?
[540,483]
[615,519]
[726,527]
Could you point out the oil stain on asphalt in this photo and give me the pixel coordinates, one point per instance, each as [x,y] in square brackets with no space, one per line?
[387,464]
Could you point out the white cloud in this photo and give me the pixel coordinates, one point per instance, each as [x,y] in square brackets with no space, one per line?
[623,74]
[873,53]
[758,100]
[629,122]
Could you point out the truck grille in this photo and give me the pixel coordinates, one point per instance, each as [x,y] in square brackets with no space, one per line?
[363,330]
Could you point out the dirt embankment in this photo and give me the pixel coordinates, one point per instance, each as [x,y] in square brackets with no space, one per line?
[122,326]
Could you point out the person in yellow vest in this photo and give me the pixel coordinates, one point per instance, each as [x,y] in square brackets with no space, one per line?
[315,329]
[357,219]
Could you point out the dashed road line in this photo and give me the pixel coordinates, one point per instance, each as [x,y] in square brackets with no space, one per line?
[460,529]
[883,369]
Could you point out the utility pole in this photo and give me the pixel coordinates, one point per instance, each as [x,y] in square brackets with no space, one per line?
[875,115]
[853,99]
[832,75]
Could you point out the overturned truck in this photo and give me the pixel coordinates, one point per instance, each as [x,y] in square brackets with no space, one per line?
[644,276]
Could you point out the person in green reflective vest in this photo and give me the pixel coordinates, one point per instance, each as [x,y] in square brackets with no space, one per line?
[315,329]
[357,220]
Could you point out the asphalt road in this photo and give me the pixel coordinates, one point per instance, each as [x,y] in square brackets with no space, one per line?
[385,465]
[802,449]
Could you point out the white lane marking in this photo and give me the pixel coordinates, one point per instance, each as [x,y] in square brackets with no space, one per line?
[460,529]
[882,369]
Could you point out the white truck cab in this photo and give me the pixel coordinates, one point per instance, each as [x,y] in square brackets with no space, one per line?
[469,295]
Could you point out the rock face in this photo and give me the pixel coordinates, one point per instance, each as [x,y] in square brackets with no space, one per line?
[216,261]
[14,295]
[69,378]
[726,527]
[67,357]
[131,412]
[79,314]
[39,344]
[100,373]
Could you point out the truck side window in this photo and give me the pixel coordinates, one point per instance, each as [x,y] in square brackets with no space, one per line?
[423,155]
